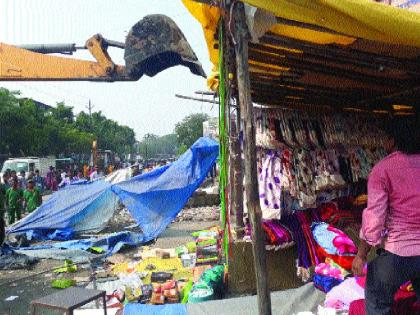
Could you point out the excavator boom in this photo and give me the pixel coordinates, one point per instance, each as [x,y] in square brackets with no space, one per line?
[152,45]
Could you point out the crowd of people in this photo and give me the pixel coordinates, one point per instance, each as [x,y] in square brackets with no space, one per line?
[22,193]
[19,194]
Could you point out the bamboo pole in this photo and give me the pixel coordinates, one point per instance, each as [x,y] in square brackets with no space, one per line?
[241,35]
[196,99]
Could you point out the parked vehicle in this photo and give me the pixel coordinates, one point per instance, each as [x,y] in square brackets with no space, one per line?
[64,164]
[28,164]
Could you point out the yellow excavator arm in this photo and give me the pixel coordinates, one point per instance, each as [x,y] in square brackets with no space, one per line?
[20,64]
[152,45]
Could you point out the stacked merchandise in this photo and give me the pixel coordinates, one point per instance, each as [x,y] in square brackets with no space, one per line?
[328,275]
[315,240]
[299,223]
[349,295]
[405,302]
[330,213]
[334,244]
[208,246]
[277,235]
[204,250]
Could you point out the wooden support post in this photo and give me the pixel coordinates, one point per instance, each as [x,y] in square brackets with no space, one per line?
[242,36]
[236,175]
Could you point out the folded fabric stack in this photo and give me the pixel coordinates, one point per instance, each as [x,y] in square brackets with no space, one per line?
[299,223]
[278,236]
[208,246]
[334,244]
[328,275]
[405,300]
[330,213]
[341,296]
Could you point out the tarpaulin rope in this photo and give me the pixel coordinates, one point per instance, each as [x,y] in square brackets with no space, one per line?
[223,153]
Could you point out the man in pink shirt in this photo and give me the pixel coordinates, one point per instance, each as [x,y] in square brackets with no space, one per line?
[391,221]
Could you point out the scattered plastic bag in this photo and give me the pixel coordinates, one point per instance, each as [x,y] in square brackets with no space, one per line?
[69,266]
[63,283]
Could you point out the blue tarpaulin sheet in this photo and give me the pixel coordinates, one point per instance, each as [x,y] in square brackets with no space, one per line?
[78,208]
[167,309]
[154,199]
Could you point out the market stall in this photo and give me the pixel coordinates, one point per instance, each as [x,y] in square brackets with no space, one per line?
[309,86]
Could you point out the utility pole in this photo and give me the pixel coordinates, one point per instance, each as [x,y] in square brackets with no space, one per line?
[90,107]
[94,144]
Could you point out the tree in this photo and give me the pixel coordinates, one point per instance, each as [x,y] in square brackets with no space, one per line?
[28,129]
[109,134]
[190,129]
[63,113]
[153,146]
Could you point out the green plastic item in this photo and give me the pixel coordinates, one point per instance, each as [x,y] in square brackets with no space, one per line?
[186,291]
[63,283]
[181,250]
[192,247]
[68,267]
[207,243]
[201,292]
[96,249]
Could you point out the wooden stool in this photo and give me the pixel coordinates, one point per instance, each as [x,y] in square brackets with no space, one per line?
[68,300]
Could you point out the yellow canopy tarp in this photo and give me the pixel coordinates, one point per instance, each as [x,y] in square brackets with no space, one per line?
[355,18]
[358,18]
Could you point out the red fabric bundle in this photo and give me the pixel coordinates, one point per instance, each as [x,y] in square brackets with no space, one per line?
[404,304]
[343,261]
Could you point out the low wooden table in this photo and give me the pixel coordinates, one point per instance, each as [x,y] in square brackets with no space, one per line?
[68,300]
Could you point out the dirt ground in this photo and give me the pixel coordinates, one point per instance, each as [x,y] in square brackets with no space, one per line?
[36,282]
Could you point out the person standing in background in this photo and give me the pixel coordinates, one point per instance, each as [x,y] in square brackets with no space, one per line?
[95,174]
[39,181]
[85,171]
[14,196]
[50,180]
[32,197]
[3,188]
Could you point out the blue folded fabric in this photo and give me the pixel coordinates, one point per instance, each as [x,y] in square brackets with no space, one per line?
[325,283]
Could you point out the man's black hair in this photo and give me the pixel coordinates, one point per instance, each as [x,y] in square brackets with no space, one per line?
[405,130]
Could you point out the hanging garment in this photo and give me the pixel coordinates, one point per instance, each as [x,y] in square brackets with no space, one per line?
[304,258]
[269,185]
[305,182]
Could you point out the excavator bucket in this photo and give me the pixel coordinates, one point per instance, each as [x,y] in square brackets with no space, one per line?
[155,44]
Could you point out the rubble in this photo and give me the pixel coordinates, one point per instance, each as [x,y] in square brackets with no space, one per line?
[199,214]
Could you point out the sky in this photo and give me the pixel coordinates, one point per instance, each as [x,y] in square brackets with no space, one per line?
[148,105]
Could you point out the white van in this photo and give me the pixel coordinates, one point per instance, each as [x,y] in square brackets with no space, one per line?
[28,164]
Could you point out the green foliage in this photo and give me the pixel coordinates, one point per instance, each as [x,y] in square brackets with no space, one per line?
[153,146]
[190,129]
[182,149]
[26,129]
[110,135]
